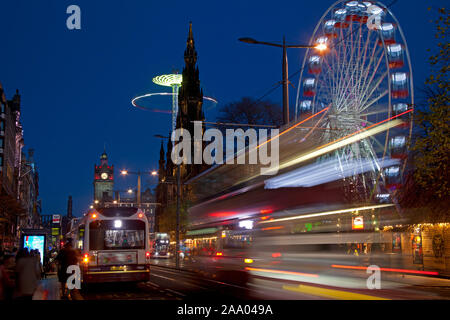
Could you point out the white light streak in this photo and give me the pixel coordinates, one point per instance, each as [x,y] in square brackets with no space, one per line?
[323,172]
[339,144]
[327,213]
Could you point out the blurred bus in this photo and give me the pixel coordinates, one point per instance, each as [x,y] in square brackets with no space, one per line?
[160,245]
[114,245]
[288,230]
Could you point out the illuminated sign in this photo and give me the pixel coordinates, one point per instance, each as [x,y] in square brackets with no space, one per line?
[56,219]
[201,231]
[358,223]
[35,242]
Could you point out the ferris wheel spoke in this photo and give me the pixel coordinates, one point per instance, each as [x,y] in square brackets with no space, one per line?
[347,79]
[378,143]
[340,61]
[344,75]
[365,105]
[358,61]
[366,82]
[373,89]
[373,153]
[376,171]
[369,157]
[331,75]
[363,61]
[371,67]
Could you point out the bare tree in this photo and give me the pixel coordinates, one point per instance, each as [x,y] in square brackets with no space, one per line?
[251,111]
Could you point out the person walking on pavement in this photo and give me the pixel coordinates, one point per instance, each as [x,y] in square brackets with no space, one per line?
[14,252]
[28,275]
[7,282]
[65,258]
[37,256]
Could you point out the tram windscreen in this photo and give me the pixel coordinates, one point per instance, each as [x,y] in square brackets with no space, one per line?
[116,234]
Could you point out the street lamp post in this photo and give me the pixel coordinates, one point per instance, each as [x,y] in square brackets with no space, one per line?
[285,75]
[129,190]
[138,196]
[177,235]
[138,173]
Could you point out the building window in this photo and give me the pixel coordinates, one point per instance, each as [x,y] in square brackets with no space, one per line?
[2,142]
[2,106]
[2,125]
[1,160]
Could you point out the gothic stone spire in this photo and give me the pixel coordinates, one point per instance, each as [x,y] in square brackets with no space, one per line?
[190,98]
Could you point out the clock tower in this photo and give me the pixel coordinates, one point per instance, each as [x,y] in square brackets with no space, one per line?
[103,180]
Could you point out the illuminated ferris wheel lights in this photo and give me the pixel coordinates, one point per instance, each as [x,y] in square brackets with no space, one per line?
[363,75]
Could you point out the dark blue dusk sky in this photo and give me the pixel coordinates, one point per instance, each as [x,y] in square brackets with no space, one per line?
[76,85]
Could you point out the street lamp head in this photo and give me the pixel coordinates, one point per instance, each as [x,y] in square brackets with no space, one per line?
[96,201]
[130,191]
[124,172]
[154,173]
[321,47]
[248,40]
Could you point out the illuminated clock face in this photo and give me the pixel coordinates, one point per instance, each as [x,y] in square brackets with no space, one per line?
[104,176]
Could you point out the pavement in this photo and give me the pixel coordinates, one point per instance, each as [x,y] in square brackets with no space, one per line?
[48,289]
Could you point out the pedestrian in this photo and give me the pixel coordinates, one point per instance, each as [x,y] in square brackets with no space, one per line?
[28,274]
[2,256]
[46,265]
[21,253]
[37,255]
[65,258]
[7,277]
[14,252]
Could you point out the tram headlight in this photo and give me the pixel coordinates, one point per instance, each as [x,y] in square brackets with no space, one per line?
[117,223]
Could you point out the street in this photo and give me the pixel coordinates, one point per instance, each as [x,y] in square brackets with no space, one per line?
[167,283]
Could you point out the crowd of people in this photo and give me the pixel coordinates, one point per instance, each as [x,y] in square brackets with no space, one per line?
[21,270]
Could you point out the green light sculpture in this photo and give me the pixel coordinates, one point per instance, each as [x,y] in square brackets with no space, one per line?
[173,81]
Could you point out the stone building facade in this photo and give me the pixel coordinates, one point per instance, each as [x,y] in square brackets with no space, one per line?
[20,207]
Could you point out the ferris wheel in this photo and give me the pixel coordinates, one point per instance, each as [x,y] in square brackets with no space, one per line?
[364,79]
